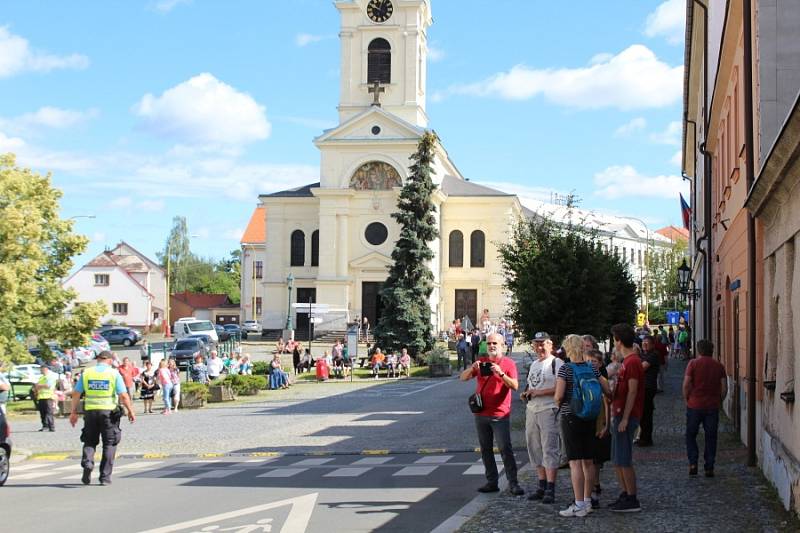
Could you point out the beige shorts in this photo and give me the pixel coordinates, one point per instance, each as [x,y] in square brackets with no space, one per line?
[542,437]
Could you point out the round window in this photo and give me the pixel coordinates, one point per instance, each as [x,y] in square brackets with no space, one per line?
[376,130]
[376,233]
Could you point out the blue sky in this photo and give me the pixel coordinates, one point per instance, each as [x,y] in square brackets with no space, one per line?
[144,110]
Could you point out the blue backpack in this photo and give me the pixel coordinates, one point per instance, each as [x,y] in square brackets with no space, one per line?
[587,395]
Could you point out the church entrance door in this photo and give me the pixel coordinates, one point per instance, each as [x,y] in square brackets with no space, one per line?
[371,304]
[304,296]
[467,304]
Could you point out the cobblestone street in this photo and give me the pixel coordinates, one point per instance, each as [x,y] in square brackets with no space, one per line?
[737,499]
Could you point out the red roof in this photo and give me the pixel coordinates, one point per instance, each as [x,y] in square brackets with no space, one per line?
[674,233]
[256,231]
[197,300]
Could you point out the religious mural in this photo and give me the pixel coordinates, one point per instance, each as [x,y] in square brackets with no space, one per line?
[375,175]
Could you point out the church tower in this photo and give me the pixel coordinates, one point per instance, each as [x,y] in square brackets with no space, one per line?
[384,41]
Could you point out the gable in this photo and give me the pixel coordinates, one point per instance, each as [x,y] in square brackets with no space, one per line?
[372,261]
[359,129]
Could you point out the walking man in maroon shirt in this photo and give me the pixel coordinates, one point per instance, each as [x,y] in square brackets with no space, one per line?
[705,385]
[496,378]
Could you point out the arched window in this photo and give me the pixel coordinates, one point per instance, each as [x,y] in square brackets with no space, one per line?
[456,247]
[477,252]
[297,256]
[379,61]
[315,248]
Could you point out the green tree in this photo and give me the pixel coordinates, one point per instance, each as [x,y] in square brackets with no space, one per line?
[662,280]
[406,319]
[209,276]
[177,255]
[562,281]
[36,251]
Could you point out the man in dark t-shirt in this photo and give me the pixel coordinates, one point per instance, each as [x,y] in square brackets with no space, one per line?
[651,363]
[705,385]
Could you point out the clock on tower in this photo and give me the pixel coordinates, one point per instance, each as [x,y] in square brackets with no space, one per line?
[380,10]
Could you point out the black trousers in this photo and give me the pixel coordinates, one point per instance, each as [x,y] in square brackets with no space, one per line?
[46,413]
[489,430]
[97,425]
[646,436]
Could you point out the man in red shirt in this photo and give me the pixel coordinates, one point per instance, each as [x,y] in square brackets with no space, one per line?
[626,412]
[705,385]
[496,378]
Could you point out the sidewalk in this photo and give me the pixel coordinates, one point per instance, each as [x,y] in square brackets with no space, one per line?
[737,499]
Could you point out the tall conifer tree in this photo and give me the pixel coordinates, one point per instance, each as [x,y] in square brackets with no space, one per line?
[406,318]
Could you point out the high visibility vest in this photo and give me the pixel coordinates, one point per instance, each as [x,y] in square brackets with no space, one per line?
[46,393]
[99,389]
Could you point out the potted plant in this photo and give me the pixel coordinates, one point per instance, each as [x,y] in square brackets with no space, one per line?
[193,395]
[220,391]
[438,361]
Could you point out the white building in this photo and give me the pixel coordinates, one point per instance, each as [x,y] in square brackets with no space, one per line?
[253,258]
[131,285]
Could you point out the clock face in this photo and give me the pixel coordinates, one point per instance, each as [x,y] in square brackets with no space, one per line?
[380,10]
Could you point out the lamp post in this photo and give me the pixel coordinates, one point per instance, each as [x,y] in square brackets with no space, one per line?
[81,216]
[290,286]
[166,304]
[686,283]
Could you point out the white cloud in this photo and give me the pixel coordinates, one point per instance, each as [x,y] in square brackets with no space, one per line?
[435,54]
[633,79]
[121,202]
[538,194]
[99,237]
[150,205]
[671,134]
[677,159]
[668,21]
[204,111]
[47,117]
[165,6]
[304,39]
[16,56]
[234,234]
[624,181]
[629,128]
[10,144]
[314,123]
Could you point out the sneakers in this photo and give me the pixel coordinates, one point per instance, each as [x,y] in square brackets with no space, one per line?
[489,487]
[595,503]
[622,496]
[105,481]
[549,497]
[575,511]
[537,495]
[515,489]
[629,505]
[86,478]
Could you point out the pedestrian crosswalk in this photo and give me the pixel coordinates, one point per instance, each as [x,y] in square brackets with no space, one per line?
[399,466]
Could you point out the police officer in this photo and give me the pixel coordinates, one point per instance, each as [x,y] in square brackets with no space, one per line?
[100,386]
[45,390]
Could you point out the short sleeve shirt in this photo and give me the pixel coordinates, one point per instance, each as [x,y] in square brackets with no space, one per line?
[119,384]
[566,373]
[631,369]
[496,395]
[706,374]
[542,376]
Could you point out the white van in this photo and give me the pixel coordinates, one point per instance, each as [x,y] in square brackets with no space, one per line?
[192,326]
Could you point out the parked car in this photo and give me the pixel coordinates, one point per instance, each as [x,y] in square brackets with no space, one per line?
[30,373]
[222,333]
[186,349]
[5,449]
[235,329]
[98,344]
[208,342]
[252,326]
[193,326]
[119,335]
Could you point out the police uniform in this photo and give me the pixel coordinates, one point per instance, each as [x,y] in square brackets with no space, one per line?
[44,401]
[100,386]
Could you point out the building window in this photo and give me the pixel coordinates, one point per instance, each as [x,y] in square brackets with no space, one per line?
[120,308]
[456,249]
[379,61]
[258,305]
[102,280]
[315,248]
[258,272]
[640,257]
[298,249]
[624,254]
[376,234]
[477,252]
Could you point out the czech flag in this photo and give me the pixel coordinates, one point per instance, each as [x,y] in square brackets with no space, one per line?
[686,212]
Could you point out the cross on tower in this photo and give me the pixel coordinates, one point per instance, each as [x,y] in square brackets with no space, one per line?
[376,91]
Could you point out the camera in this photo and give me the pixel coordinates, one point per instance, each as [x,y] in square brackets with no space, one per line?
[486,368]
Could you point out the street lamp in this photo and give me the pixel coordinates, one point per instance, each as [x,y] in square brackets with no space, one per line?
[81,216]
[643,281]
[290,286]
[167,310]
[686,283]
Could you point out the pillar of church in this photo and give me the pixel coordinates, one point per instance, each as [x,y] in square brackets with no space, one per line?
[342,250]
[327,244]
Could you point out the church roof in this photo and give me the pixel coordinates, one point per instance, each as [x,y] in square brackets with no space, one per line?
[453,186]
[298,192]
[256,232]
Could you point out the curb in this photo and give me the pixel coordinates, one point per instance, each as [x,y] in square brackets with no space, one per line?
[368,453]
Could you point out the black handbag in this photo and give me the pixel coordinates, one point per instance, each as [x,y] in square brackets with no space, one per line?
[475,400]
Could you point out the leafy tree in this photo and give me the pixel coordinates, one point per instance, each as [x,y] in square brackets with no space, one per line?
[562,281]
[662,280]
[177,255]
[36,251]
[406,320]
[215,277]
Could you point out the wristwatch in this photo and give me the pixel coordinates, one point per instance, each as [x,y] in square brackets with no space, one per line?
[502,376]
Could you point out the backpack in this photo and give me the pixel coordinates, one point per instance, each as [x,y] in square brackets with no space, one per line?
[683,336]
[587,395]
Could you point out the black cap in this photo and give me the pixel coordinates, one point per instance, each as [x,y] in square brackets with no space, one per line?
[541,336]
[105,354]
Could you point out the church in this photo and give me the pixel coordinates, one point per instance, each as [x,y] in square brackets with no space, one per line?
[330,242]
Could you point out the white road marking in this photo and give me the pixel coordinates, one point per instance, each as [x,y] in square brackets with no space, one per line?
[313,462]
[296,522]
[425,388]
[348,472]
[207,461]
[74,466]
[29,475]
[134,466]
[474,470]
[415,471]
[25,468]
[219,473]
[372,461]
[433,459]
[283,472]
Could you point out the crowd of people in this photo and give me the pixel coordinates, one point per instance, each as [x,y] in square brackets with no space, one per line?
[584,408]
